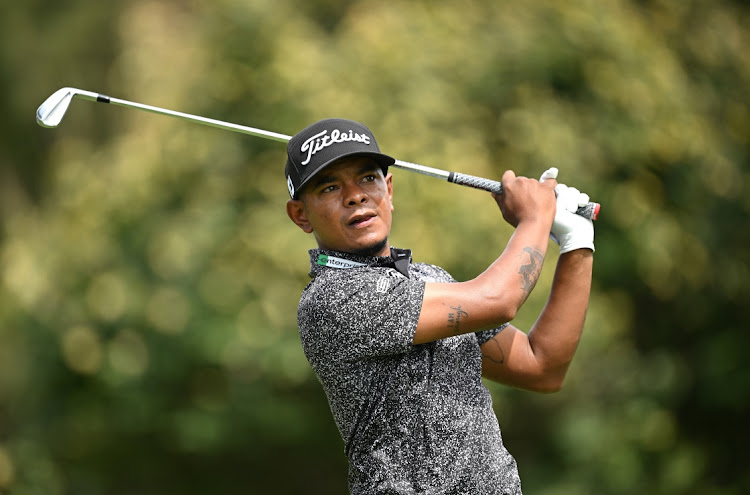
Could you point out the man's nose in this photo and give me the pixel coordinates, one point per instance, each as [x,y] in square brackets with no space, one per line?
[355,195]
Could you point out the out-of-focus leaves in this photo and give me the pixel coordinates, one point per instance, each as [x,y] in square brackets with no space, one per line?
[149,275]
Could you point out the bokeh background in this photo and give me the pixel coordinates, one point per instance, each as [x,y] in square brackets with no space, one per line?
[149,275]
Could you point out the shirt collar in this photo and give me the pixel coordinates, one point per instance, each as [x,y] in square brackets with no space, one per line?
[321,259]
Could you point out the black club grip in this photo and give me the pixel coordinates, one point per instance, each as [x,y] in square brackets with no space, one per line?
[590,211]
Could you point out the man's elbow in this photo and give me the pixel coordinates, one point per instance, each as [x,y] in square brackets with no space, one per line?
[548,384]
[549,387]
[506,308]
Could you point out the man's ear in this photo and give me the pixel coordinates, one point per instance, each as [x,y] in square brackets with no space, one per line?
[389,185]
[295,208]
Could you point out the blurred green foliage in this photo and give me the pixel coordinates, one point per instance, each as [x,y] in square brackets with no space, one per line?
[149,276]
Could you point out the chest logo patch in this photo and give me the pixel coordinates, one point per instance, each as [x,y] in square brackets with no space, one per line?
[383,285]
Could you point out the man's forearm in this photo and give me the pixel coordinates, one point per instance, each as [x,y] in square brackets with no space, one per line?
[510,279]
[493,297]
[556,333]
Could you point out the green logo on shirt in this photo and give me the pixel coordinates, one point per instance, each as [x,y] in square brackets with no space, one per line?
[334,262]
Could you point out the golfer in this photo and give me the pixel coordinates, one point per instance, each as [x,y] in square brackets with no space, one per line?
[401,347]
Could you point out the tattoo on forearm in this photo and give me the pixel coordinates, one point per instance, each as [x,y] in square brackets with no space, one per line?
[455,317]
[530,271]
[500,357]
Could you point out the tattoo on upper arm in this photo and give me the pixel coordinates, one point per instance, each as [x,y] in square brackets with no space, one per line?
[530,271]
[455,317]
[500,356]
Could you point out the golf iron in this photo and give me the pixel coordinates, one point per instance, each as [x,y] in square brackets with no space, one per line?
[51,112]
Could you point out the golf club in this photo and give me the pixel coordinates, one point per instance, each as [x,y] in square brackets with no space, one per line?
[51,112]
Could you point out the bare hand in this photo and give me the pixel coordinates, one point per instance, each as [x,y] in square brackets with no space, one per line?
[525,199]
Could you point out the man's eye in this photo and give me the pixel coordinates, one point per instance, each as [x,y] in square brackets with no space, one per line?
[328,189]
[369,178]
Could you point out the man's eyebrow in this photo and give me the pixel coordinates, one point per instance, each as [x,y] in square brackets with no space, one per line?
[321,179]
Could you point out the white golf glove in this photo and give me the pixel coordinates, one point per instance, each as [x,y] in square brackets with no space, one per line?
[570,231]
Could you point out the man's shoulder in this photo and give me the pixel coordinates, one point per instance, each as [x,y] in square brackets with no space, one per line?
[431,273]
[331,284]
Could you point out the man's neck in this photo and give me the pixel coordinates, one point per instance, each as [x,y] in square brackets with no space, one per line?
[379,249]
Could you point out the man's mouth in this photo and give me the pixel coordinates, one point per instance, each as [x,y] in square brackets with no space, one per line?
[362,220]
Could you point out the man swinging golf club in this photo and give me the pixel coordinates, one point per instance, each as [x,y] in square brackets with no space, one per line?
[400,347]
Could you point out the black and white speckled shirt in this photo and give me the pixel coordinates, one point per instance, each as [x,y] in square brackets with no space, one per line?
[415,419]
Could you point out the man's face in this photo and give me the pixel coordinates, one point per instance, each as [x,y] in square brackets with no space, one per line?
[348,206]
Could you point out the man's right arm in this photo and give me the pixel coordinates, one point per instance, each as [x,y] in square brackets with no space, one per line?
[495,296]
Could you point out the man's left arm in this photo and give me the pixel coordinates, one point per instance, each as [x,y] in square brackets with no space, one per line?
[539,361]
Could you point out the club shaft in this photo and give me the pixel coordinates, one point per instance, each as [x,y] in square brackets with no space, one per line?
[590,211]
[492,186]
[274,136]
[252,131]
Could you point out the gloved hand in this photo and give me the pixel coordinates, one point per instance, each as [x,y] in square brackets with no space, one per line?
[570,231]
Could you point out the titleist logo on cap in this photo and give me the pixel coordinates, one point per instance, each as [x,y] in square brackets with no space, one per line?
[323,140]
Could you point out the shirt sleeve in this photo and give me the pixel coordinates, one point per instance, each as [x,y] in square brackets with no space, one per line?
[486,335]
[354,314]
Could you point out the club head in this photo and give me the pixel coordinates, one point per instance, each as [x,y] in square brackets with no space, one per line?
[51,112]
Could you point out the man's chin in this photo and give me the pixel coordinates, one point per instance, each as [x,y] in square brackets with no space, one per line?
[376,249]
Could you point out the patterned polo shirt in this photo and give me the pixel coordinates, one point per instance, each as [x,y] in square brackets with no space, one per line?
[415,419]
